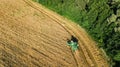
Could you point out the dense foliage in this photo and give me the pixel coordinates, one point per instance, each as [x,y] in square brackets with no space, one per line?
[101,18]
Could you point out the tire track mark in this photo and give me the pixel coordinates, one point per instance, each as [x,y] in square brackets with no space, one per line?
[89,54]
[31,4]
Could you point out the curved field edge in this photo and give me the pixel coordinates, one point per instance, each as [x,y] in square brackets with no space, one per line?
[99,18]
[78,35]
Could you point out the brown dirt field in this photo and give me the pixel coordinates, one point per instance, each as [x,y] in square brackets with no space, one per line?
[34,36]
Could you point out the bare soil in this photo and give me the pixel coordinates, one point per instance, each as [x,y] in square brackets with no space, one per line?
[34,36]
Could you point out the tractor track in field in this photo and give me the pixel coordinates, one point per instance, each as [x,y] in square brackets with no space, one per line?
[83,62]
[88,54]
